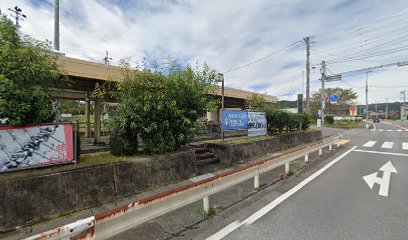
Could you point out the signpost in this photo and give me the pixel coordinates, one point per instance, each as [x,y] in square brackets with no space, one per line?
[257,125]
[234,120]
[254,122]
[36,146]
[334,98]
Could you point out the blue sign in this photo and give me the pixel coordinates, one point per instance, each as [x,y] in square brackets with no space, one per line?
[334,98]
[234,120]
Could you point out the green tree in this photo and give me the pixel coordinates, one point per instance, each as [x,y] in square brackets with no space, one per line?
[27,71]
[159,106]
[256,102]
[346,98]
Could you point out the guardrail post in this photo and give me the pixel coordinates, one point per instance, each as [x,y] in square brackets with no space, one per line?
[206,204]
[330,147]
[320,152]
[256,182]
[307,158]
[287,168]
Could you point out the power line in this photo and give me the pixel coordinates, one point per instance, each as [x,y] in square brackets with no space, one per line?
[263,58]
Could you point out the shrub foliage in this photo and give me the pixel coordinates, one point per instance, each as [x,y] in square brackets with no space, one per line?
[159,107]
[26,73]
[280,121]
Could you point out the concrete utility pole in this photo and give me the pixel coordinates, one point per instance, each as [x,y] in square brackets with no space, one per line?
[404,117]
[323,79]
[307,42]
[17,15]
[386,108]
[56,26]
[366,90]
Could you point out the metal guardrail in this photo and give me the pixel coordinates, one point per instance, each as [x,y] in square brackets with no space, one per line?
[113,222]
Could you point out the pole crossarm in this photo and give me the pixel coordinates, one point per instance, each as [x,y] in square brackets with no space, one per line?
[399,64]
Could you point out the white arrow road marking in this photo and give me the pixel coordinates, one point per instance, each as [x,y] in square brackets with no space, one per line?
[384,182]
[405,146]
[387,145]
[370,144]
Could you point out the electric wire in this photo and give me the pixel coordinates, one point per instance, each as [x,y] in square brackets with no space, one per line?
[263,58]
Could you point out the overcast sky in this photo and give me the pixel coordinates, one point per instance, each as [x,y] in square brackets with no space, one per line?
[348,34]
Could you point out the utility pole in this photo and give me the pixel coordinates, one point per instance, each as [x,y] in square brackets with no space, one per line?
[107,59]
[56,26]
[17,15]
[404,117]
[366,90]
[386,108]
[323,79]
[307,42]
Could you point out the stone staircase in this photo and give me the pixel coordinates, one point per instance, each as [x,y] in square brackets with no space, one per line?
[203,155]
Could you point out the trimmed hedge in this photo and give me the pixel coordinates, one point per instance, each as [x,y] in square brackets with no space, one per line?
[279,121]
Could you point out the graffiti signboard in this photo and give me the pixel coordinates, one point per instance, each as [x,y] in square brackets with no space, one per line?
[234,120]
[36,146]
[257,125]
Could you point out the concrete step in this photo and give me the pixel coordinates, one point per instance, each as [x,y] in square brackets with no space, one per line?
[204,155]
[200,150]
[207,161]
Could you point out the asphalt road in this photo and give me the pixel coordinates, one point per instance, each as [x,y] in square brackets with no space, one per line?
[338,203]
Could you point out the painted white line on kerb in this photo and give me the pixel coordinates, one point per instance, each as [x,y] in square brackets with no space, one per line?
[236,224]
[370,144]
[404,146]
[387,145]
[384,153]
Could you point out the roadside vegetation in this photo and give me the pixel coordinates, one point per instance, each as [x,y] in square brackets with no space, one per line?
[27,72]
[159,107]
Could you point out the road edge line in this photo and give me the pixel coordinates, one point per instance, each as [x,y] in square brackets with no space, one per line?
[258,214]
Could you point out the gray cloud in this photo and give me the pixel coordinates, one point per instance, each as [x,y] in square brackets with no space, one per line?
[230,33]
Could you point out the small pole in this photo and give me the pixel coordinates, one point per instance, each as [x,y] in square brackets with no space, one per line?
[330,147]
[307,158]
[206,204]
[320,152]
[256,182]
[287,167]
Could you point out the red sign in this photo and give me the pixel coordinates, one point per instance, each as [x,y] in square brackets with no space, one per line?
[36,145]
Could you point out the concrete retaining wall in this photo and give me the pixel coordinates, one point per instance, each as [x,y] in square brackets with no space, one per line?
[243,152]
[30,200]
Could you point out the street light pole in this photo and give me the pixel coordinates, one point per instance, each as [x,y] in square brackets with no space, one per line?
[386,108]
[221,79]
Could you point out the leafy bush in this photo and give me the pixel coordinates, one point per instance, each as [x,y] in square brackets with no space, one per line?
[329,119]
[26,74]
[278,121]
[161,109]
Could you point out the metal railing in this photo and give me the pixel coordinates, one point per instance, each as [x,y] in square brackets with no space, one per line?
[113,222]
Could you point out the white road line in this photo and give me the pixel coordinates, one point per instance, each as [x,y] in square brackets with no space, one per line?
[399,130]
[384,153]
[370,144]
[380,130]
[405,146]
[389,130]
[387,145]
[236,224]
